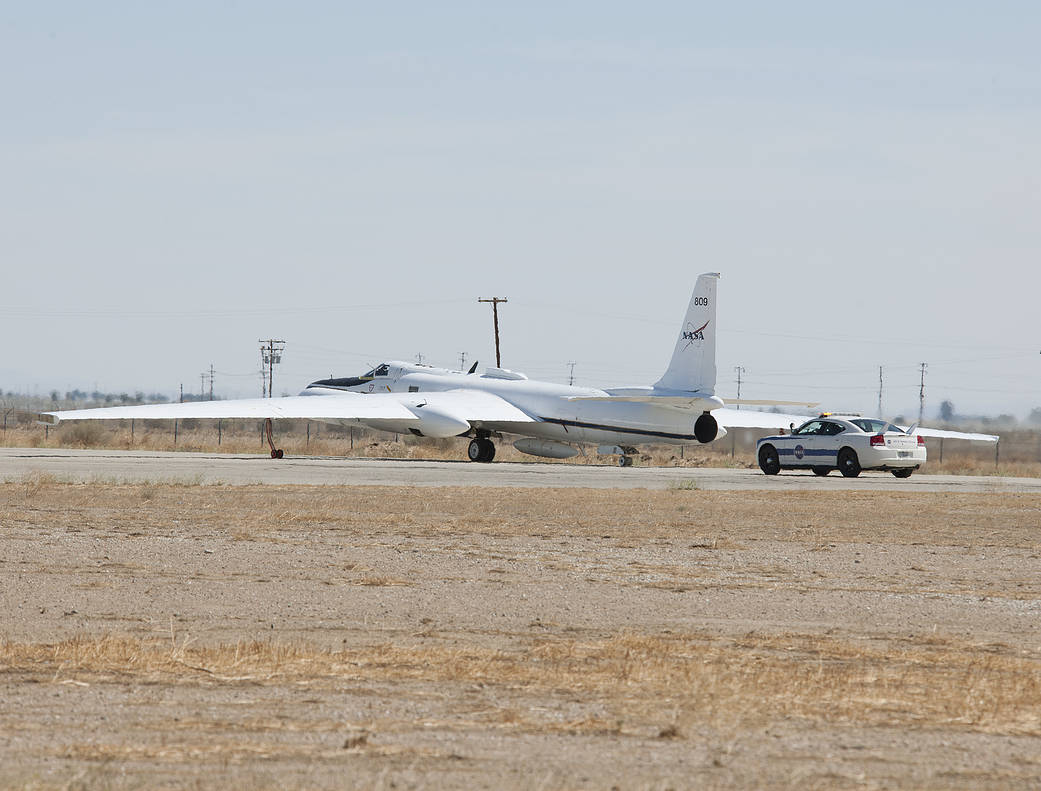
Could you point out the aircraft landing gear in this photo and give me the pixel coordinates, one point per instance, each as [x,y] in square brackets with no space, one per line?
[625,453]
[481,449]
[276,453]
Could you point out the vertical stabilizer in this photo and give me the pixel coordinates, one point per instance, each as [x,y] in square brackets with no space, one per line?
[693,365]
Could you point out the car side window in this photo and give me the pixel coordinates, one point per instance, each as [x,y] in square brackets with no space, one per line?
[813,427]
[830,429]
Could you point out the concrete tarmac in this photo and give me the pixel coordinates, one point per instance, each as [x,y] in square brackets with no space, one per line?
[238,469]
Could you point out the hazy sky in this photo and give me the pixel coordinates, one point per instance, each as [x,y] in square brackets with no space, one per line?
[180,180]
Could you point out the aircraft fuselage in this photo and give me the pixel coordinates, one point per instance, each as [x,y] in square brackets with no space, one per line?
[556,416]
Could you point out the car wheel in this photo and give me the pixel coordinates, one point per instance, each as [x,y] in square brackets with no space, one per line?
[821,471]
[903,473]
[768,460]
[849,464]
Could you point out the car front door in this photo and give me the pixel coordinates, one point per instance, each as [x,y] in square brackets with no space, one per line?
[803,445]
[828,443]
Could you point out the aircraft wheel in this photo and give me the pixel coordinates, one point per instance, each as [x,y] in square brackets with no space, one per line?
[904,473]
[769,462]
[625,461]
[849,464]
[482,450]
[277,453]
[821,471]
[489,450]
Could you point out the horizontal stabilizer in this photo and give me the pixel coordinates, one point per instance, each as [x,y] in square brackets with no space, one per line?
[692,402]
[771,402]
[942,433]
[749,418]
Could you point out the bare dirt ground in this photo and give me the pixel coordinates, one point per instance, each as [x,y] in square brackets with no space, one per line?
[378,637]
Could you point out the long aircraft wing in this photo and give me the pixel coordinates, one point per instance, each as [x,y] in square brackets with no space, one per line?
[747,418]
[466,404]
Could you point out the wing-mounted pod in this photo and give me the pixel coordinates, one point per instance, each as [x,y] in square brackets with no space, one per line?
[437,421]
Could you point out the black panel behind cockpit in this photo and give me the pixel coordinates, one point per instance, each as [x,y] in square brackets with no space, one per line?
[346,382]
[341,384]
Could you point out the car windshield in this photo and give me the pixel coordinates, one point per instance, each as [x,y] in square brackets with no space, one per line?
[872,426]
[812,427]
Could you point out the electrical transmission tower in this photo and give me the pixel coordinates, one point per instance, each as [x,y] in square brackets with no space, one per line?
[571,377]
[740,370]
[203,377]
[270,356]
[495,319]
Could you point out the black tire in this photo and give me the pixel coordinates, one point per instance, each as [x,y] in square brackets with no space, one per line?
[769,461]
[489,451]
[821,471]
[475,450]
[903,473]
[849,464]
[625,461]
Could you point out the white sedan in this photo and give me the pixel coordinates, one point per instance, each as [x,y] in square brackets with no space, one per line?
[847,443]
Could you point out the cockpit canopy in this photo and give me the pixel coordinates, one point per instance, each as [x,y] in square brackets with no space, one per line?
[379,370]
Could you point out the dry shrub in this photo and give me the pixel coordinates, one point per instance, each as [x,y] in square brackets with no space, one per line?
[82,434]
[34,482]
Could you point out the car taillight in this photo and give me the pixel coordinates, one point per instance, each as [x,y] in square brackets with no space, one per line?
[877,440]
[921,440]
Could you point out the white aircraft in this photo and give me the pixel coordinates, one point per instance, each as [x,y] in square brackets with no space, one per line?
[551,420]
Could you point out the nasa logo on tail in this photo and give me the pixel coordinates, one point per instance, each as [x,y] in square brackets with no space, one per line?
[690,334]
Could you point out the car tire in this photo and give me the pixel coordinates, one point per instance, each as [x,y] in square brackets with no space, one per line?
[821,471]
[903,473]
[769,461]
[849,464]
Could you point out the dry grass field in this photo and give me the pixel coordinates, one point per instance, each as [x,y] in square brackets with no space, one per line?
[1018,457]
[377,637]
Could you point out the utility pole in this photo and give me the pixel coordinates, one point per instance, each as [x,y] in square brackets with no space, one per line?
[571,377]
[462,361]
[204,376]
[495,318]
[740,370]
[419,358]
[880,391]
[271,355]
[202,385]
[921,394]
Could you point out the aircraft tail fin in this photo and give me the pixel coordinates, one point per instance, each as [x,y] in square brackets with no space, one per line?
[693,365]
